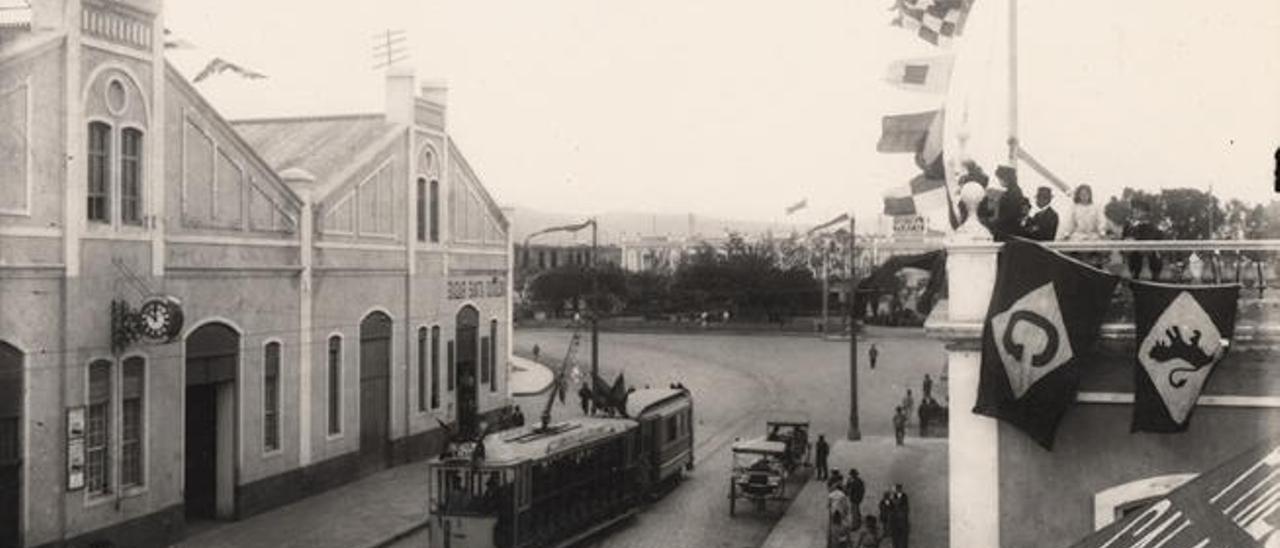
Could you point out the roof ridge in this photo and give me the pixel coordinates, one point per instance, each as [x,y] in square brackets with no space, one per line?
[310,118]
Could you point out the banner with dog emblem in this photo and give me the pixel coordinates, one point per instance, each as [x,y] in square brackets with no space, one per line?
[1044,315]
[1182,333]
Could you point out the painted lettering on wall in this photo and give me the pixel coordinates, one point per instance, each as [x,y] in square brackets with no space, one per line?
[477,288]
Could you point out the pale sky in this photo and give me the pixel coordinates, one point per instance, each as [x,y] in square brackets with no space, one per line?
[738,108]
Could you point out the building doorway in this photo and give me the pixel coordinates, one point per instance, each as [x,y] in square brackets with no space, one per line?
[11,404]
[213,358]
[375,391]
[468,326]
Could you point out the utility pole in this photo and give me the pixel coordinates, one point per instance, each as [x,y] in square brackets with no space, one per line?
[595,303]
[855,433]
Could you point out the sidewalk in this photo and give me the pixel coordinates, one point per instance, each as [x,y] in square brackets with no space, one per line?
[529,378]
[920,466]
[373,511]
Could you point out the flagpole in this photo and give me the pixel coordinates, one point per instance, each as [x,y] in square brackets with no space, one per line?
[1013,84]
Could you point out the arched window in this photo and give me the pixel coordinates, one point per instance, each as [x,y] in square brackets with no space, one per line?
[435,211]
[132,423]
[131,176]
[422,369]
[435,367]
[271,397]
[493,355]
[422,210]
[335,385]
[99,191]
[97,442]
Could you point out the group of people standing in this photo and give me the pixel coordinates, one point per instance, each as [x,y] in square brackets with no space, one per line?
[1007,213]
[929,412]
[848,528]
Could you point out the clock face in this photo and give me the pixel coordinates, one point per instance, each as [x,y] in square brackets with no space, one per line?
[157,319]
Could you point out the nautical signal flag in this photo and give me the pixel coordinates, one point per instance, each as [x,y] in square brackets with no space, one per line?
[934,21]
[926,74]
[905,132]
[1044,316]
[1182,332]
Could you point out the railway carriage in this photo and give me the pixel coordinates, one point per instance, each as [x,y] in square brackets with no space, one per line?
[534,487]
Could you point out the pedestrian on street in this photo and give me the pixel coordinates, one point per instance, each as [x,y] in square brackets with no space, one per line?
[837,512]
[927,387]
[924,415]
[820,452]
[870,535]
[908,404]
[901,516]
[584,398]
[537,350]
[856,490]
[899,425]
[886,513]
[872,354]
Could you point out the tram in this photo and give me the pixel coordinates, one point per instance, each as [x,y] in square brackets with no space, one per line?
[554,485]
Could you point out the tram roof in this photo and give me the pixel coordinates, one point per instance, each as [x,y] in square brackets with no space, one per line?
[640,400]
[526,443]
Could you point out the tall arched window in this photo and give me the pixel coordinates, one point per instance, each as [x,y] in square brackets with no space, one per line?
[132,426]
[435,211]
[422,210]
[99,191]
[493,355]
[422,369]
[335,385]
[271,397]
[131,176]
[97,442]
[435,367]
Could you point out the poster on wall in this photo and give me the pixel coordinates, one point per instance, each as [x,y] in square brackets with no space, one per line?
[75,448]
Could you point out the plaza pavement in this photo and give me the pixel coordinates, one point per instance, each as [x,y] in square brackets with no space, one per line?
[920,465]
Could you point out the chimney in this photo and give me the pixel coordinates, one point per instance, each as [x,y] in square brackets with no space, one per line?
[399,105]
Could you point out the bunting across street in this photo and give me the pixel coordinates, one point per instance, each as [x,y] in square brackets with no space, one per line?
[1045,315]
[1182,332]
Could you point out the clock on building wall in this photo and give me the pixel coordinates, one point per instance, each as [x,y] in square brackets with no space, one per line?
[160,318]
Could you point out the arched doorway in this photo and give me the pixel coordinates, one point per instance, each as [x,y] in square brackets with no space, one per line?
[375,391]
[468,326]
[213,357]
[11,403]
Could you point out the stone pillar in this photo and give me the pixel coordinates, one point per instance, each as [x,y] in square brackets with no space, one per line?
[973,450]
[301,183]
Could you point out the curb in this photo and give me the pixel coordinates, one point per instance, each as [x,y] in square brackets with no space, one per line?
[399,535]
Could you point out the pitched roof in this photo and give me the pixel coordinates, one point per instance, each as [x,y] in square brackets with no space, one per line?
[322,145]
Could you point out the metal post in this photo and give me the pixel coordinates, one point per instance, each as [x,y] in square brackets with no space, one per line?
[855,433]
[826,291]
[595,298]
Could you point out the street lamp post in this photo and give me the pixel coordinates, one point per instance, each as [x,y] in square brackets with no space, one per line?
[855,433]
[592,310]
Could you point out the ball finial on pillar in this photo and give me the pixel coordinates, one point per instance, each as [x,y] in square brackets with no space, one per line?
[972,194]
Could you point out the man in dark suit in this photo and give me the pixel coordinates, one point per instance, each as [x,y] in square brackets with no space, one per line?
[1043,225]
[900,516]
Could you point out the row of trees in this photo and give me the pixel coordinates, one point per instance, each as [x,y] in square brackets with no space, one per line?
[1193,214]
[746,279]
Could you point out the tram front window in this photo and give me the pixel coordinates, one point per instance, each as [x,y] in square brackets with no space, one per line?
[464,490]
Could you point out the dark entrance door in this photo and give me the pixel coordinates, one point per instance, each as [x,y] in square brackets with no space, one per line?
[213,355]
[375,391]
[10,446]
[468,325]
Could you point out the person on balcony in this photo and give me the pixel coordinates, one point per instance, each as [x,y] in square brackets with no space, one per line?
[1084,222]
[1142,226]
[1043,224]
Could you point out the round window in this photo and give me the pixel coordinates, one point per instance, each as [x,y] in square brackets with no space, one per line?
[117,99]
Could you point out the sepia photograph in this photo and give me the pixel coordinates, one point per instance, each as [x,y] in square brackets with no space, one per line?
[639,274]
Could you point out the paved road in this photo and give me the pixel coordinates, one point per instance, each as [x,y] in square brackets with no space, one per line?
[737,381]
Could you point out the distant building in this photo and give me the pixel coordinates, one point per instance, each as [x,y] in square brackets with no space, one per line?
[344,284]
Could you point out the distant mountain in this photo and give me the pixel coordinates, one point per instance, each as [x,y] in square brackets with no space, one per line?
[620,226]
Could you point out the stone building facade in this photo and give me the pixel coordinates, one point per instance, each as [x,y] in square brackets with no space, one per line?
[343,283]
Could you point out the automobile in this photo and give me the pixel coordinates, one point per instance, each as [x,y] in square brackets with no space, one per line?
[793,431]
[759,472]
